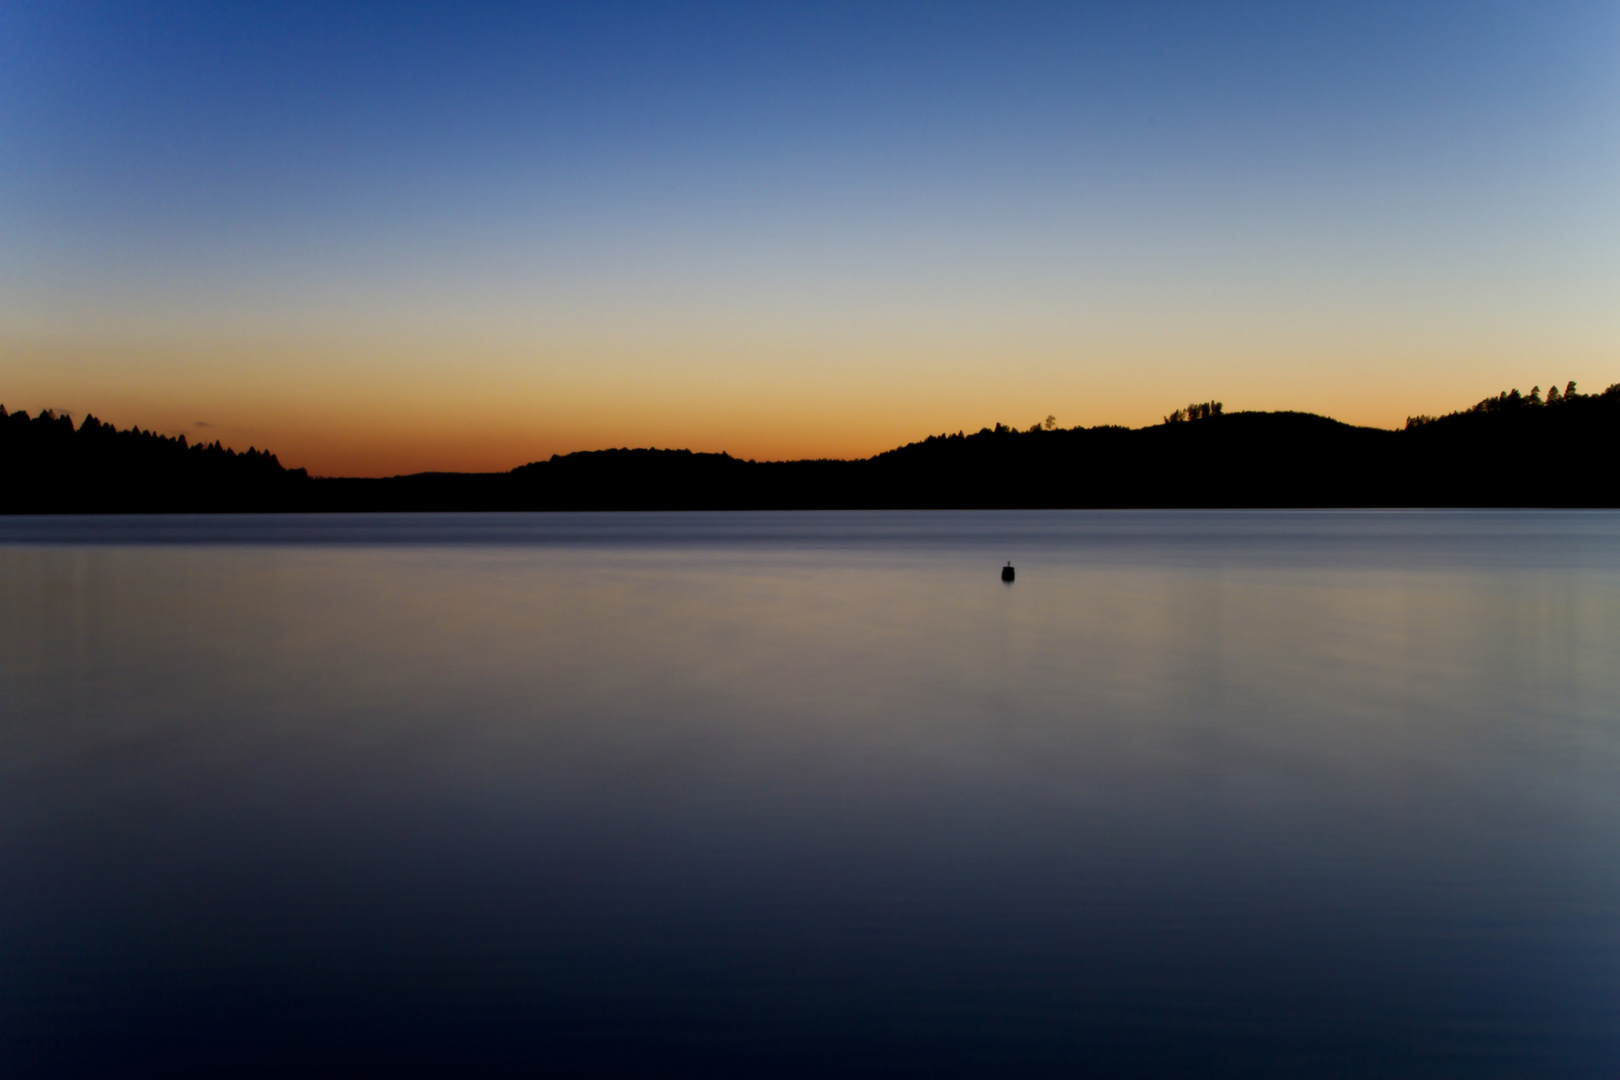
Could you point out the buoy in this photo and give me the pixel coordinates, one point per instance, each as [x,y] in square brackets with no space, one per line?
[1007,572]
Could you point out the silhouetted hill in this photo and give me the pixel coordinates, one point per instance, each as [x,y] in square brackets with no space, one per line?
[49,466]
[1511,450]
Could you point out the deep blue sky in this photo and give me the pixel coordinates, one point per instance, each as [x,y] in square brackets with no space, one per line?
[388,236]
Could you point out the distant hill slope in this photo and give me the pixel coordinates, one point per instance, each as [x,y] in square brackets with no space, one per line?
[49,466]
[1511,450]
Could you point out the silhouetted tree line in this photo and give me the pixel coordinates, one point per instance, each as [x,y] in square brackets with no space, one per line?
[1511,401]
[1195,411]
[51,466]
[1510,450]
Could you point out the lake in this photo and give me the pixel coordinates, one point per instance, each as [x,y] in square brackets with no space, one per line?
[811,794]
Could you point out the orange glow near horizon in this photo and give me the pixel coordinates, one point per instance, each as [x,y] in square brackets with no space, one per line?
[340,411]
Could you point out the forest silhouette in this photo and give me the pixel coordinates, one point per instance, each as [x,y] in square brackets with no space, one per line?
[1511,450]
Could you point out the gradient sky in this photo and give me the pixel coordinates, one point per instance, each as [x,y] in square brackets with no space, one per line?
[394,237]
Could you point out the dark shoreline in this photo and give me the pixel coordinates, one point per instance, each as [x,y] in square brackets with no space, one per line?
[1505,452]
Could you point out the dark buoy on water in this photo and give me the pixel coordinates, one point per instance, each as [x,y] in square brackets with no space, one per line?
[1007,572]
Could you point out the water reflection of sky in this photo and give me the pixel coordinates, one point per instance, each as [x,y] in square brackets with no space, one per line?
[1324,792]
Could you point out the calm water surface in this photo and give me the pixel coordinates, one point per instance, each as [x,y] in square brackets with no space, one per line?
[1203,794]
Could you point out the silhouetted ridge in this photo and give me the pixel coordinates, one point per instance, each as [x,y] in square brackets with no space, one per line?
[1511,450]
[1523,449]
[52,467]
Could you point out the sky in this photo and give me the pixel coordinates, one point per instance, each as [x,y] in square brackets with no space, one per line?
[393,237]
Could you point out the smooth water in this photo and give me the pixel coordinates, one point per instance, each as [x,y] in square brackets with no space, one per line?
[1201,794]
